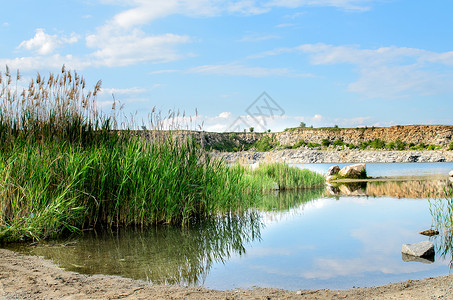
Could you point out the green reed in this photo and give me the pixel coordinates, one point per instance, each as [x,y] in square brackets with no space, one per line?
[286,177]
[441,210]
[64,166]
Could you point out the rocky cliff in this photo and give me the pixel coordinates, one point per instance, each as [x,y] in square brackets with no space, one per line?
[441,135]
[427,134]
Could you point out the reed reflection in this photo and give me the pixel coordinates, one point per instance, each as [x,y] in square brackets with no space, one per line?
[169,254]
[163,255]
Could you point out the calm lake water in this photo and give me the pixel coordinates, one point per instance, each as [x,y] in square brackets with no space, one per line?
[336,237]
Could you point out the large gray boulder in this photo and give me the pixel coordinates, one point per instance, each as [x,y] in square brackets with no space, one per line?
[422,249]
[353,171]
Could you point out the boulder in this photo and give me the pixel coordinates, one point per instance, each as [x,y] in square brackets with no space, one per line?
[451,173]
[353,171]
[422,249]
[333,170]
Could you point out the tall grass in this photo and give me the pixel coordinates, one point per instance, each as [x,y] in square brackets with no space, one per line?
[441,210]
[64,166]
[284,177]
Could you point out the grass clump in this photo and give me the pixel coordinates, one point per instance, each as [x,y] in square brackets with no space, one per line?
[285,177]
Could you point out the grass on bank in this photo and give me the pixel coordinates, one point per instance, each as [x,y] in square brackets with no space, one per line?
[65,167]
[441,210]
[271,176]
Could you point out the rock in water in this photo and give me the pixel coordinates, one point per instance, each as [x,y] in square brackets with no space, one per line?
[422,249]
[451,173]
[425,260]
[333,170]
[353,171]
[429,232]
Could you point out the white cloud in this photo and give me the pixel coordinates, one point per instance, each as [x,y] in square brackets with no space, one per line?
[45,62]
[317,118]
[355,5]
[43,43]
[224,115]
[144,11]
[227,121]
[127,91]
[386,72]
[128,48]
[234,69]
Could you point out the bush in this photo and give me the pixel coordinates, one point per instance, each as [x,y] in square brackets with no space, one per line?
[450,147]
[400,145]
[325,142]
[377,144]
[299,144]
[313,145]
[264,144]
[364,145]
[338,142]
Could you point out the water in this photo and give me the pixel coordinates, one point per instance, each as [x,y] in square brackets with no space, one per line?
[390,169]
[335,238]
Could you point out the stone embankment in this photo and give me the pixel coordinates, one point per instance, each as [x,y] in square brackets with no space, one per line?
[299,156]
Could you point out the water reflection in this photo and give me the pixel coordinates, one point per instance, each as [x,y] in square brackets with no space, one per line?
[413,189]
[164,255]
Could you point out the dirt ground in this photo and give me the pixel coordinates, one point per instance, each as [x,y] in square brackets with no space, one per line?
[31,277]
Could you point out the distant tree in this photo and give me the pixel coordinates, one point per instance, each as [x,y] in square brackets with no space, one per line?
[268,130]
[336,126]
[252,129]
[302,125]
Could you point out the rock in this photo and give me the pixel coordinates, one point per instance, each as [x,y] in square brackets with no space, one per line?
[333,170]
[351,190]
[413,158]
[333,190]
[424,260]
[422,249]
[429,232]
[451,173]
[353,171]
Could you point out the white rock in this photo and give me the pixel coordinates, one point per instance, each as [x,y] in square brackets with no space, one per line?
[333,170]
[422,249]
[353,170]
[451,173]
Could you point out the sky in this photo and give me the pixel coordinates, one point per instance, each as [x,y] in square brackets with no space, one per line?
[232,65]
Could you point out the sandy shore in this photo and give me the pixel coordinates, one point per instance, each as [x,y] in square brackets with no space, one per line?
[31,277]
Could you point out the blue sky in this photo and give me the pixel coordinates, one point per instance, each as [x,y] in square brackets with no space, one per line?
[323,62]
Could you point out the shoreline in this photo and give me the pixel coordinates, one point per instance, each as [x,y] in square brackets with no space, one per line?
[41,278]
[301,156]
